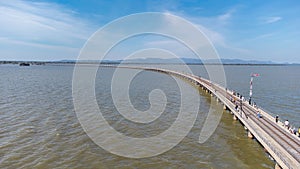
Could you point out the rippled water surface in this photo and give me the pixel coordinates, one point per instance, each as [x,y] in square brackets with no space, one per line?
[39,127]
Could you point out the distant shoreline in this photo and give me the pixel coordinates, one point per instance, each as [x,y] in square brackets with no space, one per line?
[134,63]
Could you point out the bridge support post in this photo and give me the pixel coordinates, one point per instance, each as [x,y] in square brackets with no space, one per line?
[234,117]
[250,135]
[224,107]
[277,166]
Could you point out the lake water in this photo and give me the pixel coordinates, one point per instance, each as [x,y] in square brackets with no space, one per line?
[40,129]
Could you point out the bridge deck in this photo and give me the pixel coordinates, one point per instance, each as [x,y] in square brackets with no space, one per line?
[283,146]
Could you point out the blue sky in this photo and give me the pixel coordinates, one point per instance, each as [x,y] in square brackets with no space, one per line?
[57,30]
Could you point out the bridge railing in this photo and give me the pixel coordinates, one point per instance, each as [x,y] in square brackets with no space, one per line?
[256,130]
[283,158]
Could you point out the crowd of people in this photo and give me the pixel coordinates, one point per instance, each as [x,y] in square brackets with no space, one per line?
[286,123]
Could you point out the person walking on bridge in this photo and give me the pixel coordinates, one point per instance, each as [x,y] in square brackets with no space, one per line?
[276,119]
[287,124]
[258,114]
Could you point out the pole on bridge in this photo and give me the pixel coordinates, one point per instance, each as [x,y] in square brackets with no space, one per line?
[251,83]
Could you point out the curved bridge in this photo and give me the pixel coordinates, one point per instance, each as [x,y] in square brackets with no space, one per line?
[283,146]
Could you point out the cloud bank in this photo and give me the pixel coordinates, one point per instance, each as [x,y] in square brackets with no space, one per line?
[43,27]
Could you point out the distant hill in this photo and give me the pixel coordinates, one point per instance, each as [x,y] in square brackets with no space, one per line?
[239,61]
[176,61]
[157,61]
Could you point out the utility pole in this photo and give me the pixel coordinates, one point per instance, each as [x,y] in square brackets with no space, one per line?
[251,83]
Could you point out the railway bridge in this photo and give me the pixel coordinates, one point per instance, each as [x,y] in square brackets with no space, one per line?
[283,146]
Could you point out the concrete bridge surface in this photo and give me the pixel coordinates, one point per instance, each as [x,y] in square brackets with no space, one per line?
[283,146]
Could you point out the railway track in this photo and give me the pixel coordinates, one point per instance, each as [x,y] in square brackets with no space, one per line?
[284,147]
[285,139]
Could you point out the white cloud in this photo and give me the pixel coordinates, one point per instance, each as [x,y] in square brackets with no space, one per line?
[226,16]
[272,19]
[39,45]
[209,25]
[42,24]
[171,45]
[214,36]
[52,29]
[267,35]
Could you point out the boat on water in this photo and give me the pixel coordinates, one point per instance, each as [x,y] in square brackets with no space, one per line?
[24,64]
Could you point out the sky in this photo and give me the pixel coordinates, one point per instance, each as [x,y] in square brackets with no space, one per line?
[58,29]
